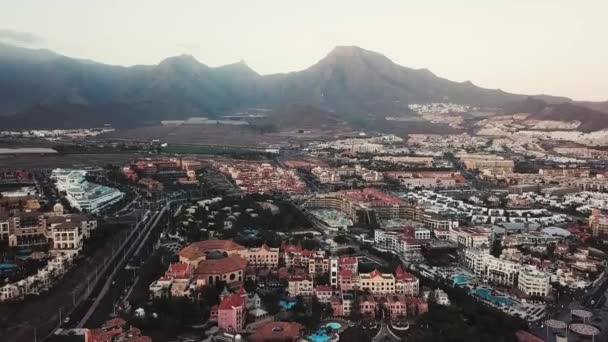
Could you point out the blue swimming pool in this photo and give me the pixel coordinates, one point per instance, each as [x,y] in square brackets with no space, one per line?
[334,325]
[323,334]
[319,336]
[7,268]
[461,279]
[496,300]
[286,305]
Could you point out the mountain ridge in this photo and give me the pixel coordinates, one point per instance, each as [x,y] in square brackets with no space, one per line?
[350,81]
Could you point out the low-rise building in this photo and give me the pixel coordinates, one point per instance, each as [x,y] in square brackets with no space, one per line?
[377,283]
[323,293]
[230,270]
[263,256]
[406,283]
[198,251]
[470,237]
[300,285]
[231,313]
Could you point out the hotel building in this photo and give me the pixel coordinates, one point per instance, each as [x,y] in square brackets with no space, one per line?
[598,223]
[262,256]
[534,282]
[377,283]
[300,285]
[82,194]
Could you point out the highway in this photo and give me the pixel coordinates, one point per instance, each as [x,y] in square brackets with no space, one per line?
[113,277]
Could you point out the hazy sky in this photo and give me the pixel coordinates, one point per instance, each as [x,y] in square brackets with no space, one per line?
[559,47]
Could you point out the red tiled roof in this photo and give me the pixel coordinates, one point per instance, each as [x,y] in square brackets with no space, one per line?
[220,266]
[115,322]
[400,274]
[278,331]
[200,248]
[178,268]
[375,273]
[346,273]
[231,302]
[323,288]
[348,261]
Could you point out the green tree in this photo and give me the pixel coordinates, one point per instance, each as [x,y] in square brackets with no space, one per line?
[249,285]
[270,301]
[496,248]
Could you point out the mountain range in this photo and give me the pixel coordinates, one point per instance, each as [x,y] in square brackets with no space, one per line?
[42,89]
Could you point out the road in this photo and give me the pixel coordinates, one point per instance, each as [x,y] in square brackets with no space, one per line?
[385,334]
[106,274]
[114,281]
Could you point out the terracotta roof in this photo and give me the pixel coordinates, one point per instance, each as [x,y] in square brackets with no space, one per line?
[277,331]
[375,273]
[232,301]
[348,261]
[116,322]
[395,299]
[178,268]
[346,273]
[414,300]
[200,248]
[400,274]
[220,266]
[323,288]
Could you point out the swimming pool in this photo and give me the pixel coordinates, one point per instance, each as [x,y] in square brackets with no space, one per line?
[496,300]
[461,279]
[286,305]
[7,268]
[334,325]
[323,333]
[319,336]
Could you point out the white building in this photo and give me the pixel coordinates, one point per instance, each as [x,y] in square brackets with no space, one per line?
[470,237]
[396,242]
[491,269]
[67,238]
[476,259]
[422,234]
[441,297]
[38,283]
[366,147]
[82,194]
[501,271]
[534,282]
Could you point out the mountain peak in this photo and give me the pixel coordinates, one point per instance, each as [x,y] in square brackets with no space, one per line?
[353,55]
[239,67]
[346,50]
[183,59]
[352,51]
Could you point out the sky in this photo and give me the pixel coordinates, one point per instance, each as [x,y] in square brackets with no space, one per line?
[556,47]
